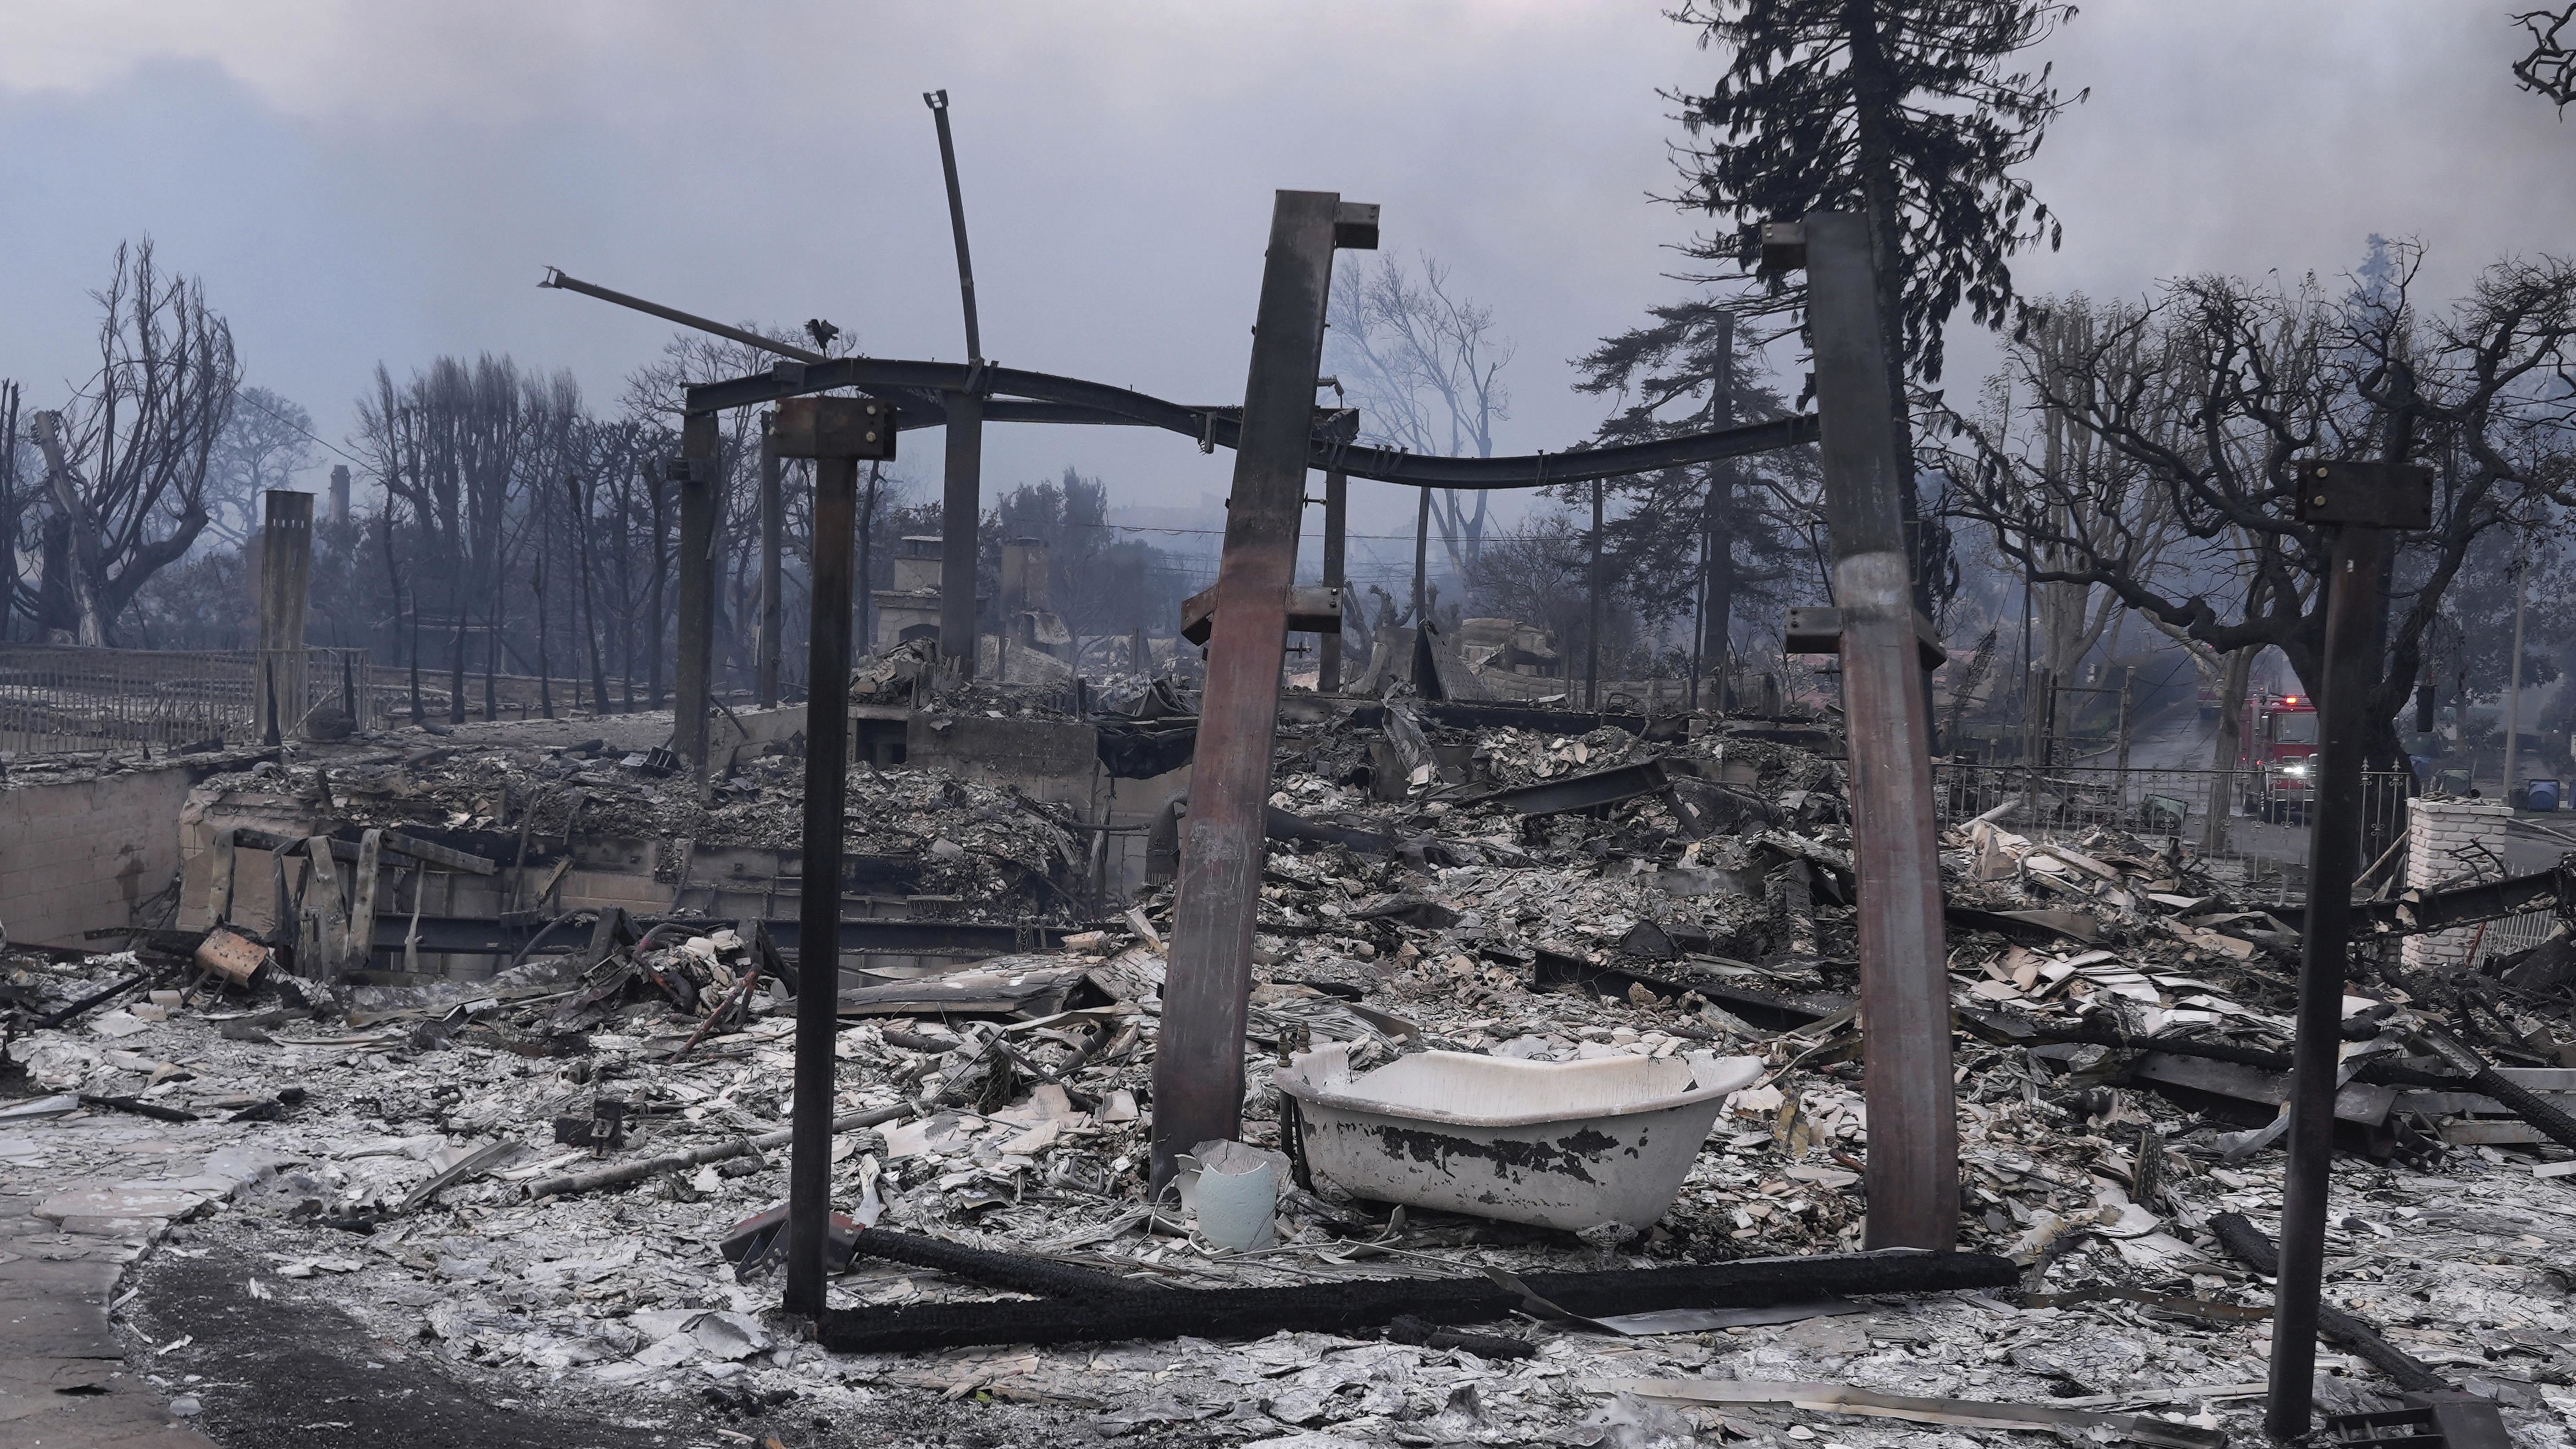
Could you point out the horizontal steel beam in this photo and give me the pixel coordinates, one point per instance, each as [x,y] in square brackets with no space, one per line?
[1022,396]
[1584,792]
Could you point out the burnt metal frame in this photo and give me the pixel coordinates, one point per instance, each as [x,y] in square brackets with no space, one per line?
[2358,505]
[836,432]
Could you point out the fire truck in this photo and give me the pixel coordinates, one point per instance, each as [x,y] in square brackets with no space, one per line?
[2276,761]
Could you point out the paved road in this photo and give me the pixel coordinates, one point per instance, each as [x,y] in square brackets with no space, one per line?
[65,1243]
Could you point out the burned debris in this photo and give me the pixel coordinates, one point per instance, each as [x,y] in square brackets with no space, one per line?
[573,1169]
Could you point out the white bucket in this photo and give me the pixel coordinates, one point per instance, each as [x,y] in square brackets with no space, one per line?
[1237,1197]
[1557,1144]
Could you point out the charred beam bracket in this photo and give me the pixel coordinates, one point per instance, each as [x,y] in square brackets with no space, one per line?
[1247,1313]
[1311,610]
[834,427]
[2366,495]
[1584,792]
[1819,630]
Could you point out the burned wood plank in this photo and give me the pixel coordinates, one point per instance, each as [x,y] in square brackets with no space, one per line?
[1241,1313]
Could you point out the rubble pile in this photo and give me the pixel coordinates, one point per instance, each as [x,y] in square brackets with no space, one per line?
[556,1179]
[992,850]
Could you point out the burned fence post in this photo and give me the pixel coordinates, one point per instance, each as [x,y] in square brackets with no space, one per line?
[2357,504]
[695,471]
[836,432]
[1337,512]
[285,583]
[1198,1070]
[1913,1163]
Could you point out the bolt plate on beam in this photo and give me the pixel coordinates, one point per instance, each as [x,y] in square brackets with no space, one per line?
[835,427]
[1311,610]
[2366,495]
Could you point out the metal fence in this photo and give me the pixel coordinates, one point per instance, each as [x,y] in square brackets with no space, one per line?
[63,699]
[2264,835]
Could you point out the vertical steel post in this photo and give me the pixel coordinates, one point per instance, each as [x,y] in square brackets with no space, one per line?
[773,535]
[2357,502]
[961,504]
[697,479]
[961,509]
[836,432]
[1913,1168]
[1337,512]
[1198,1071]
[1592,612]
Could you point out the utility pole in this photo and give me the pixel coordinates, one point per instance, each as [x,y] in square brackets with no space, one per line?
[1912,1170]
[836,432]
[1198,1072]
[962,496]
[2362,503]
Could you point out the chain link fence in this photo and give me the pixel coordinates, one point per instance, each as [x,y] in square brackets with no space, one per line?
[65,699]
[2262,835]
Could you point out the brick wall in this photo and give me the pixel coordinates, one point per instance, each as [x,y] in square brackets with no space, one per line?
[2440,836]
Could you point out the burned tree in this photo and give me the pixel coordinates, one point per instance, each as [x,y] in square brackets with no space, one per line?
[2550,69]
[1907,111]
[2206,402]
[126,462]
[1713,537]
[1425,367]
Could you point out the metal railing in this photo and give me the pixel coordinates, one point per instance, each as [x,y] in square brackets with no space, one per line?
[64,699]
[2263,834]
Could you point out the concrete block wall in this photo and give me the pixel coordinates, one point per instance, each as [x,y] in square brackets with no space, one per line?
[81,855]
[2440,840]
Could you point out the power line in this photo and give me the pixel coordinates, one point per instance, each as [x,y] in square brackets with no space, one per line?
[242,394]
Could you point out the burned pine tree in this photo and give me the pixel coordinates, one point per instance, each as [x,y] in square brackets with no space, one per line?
[1709,539]
[1907,111]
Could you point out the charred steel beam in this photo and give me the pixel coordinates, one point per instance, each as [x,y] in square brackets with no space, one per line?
[836,433]
[1237,1313]
[1337,512]
[773,536]
[1048,397]
[1584,792]
[1913,1162]
[961,506]
[1198,1071]
[2356,504]
[1019,396]
[695,472]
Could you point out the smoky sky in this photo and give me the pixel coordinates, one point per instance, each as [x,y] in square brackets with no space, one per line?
[383,181]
